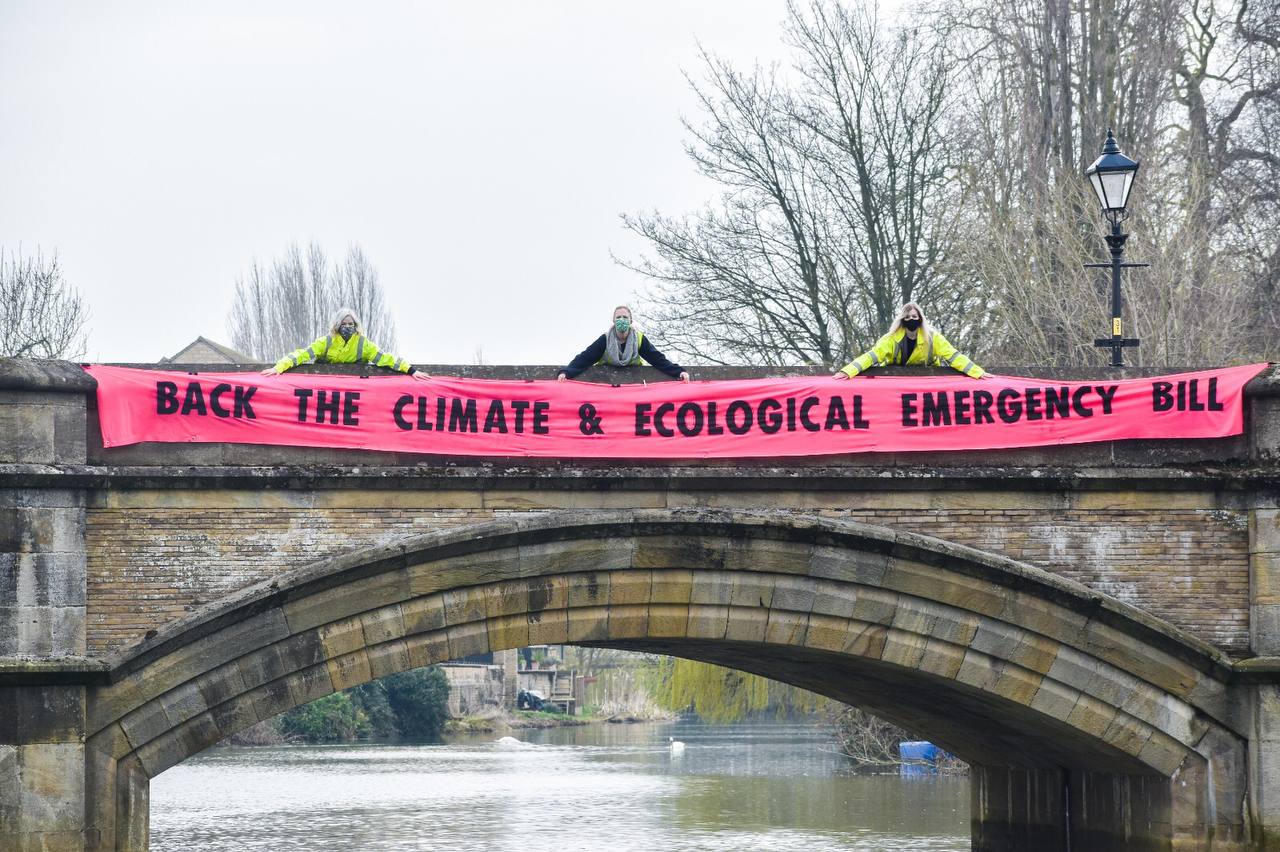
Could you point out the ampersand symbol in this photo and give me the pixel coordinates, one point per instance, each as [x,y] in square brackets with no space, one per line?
[590,421]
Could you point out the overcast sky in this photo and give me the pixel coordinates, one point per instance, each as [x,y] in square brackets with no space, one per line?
[480,153]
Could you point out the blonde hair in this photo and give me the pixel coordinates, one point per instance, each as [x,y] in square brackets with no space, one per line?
[925,328]
[338,317]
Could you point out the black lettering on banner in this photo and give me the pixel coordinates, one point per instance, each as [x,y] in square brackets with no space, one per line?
[935,411]
[243,402]
[588,420]
[327,406]
[1214,404]
[810,402]
[462,416]
[909,410]
[1031,398]
[397,412]
[423,423]
[518,406]
[1161,398]
[740,425]
[166,398]
[304,400]
[682,419]
[1077,401]
[769,416]
[350,408]
[1008,406]
[835,415]
[440,409]
[642,420]
[658,425]
[194,400]
[1106,393]
[1057,401]
[496,419]
[713,423]
[541,412]
[791,414]
[215,400]
[982,402]
[858,421]
[961,402]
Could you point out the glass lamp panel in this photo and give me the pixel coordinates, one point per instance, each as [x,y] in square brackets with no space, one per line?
[1115,189]
[1096,180]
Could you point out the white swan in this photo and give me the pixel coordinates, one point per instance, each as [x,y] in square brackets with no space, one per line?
[677,747]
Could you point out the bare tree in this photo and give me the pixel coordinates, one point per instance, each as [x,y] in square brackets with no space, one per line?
[834,204]
[290,303]
[43,316]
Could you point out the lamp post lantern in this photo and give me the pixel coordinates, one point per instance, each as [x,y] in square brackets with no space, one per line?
[1112,178]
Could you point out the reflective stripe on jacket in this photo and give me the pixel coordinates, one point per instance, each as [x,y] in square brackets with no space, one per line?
[333,349]
[634,362]
[936,351]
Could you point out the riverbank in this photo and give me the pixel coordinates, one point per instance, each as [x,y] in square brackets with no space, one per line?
[498,721]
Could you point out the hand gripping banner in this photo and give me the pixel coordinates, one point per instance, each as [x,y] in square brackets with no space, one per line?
[715,419]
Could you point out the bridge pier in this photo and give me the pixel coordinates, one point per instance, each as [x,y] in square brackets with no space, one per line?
[42,611]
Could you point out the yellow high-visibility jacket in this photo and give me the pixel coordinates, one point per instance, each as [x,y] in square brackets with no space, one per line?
[936,352]
[334,350]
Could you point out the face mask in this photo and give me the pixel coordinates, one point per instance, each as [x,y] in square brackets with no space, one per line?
[346,330]
[622,324]
[911,324]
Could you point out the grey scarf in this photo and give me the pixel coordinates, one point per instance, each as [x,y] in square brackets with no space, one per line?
[621,356]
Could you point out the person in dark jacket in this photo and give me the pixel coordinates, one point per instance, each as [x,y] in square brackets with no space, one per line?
[622,346]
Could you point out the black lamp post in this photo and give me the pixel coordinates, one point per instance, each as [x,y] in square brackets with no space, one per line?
[1112,177]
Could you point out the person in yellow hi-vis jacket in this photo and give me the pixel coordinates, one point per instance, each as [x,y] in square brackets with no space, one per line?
[344,344]
[911,340]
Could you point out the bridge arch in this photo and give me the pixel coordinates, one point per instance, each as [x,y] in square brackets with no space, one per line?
[1079,713]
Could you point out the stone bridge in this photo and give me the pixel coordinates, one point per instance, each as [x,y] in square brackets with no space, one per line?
[1094,628]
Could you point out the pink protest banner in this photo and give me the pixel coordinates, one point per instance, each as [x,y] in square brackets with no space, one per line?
[722,419]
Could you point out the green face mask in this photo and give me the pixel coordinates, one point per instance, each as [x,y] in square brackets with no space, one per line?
[622,324]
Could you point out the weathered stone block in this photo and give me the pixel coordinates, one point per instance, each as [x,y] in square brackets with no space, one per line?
[306,685]
[183,703]
[42,579]
[51,795]
[589,589]
[42,714]
[440,574]
[826,632]
[752,590]
[541,593]
[234,716]
[668,620]
[468,639]
[382,625]
[427,649]
[10,789]
[713,588]
[795,594]
[672,586]
[42,530]
[28,434]
[875,605]
[833,598]
[1127,734]
[747,624]
[549,627]
[682,551]
[423,614]
[463,606]
[786,628]
[382,589]
[866,640]
[903,649]
[707,622]
[508,631]
[1163,754]
[941,658]
[929,583]
[588,623]
[499,498]
[1091,716]
[342,637]
[1055,699]
[849,566]
[768,555]
[510,597]
[178,744]
[1119,649]
[630,587]
[573,557]
[349,670]
[979,670]
[628,621]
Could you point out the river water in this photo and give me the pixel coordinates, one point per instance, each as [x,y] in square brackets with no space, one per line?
[598,787]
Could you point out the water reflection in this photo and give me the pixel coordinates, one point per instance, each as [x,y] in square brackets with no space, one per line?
[735,787]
